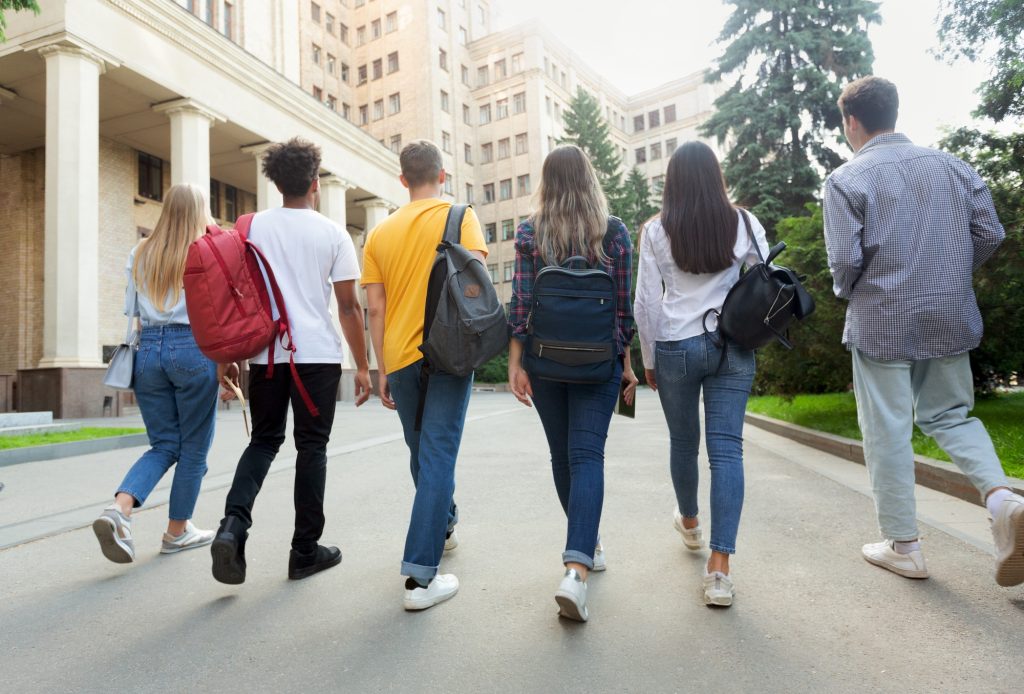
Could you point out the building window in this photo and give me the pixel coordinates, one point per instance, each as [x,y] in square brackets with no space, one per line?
[493,271]
[378,109]
[670,113]
[441,19]
[346,111]
[504,150]
[500,70]
[344,73]
[215,198]
[318,93]
[466,116]
[230,202]
[501,106]
[523,185]
[485,114]
[227,21]
[394,104]
[508,230]
[562,80]
[547,104]
[361,35]
[378,69]
[391,22]
[392,62]
[343,33]
[332,102]
[491,231]
[482,76]
[442,59]
[469,193]
[641,155]
[375,29]
[465,75]
[329,24]
[517,63]
[332,63]
[361,74]
[508,271]
[151,177]
[656,151]
[522,143]
[670,146]
[316,54]
[468,153]
[519,103]
[653,119]
[449,184]
[463,36]
[314,11]
[638,123]
[446,142]
[505,189]
[396,144]
[483,14]
[486,153]
[488,193]
[444,102]
[364,115]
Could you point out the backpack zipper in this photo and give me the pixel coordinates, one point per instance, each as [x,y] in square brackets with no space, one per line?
[540,352]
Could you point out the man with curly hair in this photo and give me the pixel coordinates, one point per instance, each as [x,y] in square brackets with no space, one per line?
[311,256]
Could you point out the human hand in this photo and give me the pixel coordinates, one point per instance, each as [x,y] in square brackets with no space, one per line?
[631,381]
[519,382]
[385,391]
[227,377]
[652,380]
[363,386]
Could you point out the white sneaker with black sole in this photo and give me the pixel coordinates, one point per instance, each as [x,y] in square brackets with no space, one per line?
[1008,533]
[441,588]
[884,554]
[113,529]
[571,597]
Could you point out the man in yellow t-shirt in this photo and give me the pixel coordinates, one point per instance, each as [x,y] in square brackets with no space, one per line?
[397,260]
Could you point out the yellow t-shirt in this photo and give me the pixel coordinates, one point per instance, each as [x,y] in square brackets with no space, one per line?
[399,253]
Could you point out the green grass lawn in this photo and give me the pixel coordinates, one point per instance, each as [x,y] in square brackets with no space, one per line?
[84,434]
[836,413]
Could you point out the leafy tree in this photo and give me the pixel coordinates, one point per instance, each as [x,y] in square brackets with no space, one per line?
[586,127]
[788,60]
[15,5]
[966,27]
[637,200]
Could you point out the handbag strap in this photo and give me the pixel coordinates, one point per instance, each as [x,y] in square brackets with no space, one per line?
[133,306]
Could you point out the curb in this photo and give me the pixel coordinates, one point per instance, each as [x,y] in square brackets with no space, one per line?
[32,454]
[935,474]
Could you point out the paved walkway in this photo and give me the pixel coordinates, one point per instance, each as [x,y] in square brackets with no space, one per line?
[810,614]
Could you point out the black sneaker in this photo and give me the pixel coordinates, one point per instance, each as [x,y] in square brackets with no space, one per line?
[305,565]
[228,550]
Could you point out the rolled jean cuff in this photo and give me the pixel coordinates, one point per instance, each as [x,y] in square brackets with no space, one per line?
[721,548]
[423,573]
[138,501]
[571,555]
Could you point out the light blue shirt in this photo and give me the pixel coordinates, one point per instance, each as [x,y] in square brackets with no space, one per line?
[145,310]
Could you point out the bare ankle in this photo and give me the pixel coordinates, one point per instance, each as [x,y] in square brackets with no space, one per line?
[718,561]
[690,523]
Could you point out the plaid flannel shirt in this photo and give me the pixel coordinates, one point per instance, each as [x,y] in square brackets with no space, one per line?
[905,228]
[619,249]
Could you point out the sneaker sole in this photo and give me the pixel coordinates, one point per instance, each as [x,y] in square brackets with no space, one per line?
[113,550]
[569,608]
[906,573]
[718,601]
[417,605]
[300,574]
[226,567]
[1010,568]
[164,549]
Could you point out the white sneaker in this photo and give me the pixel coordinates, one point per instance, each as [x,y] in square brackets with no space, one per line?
[718,589]
[190,539]
[114,531]
[1008,532]
[692,537]
[571,597]
[885,555]
[599,561]
[443,587]
[451,541]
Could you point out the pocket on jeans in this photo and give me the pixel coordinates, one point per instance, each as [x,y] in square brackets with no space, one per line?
[670,365]
[741,361]
[189,360]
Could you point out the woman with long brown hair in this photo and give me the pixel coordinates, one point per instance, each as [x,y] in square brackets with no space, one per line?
[174,384]
[690,257]
[571,219]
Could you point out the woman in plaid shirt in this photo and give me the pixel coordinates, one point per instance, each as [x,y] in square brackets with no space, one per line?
[572,219]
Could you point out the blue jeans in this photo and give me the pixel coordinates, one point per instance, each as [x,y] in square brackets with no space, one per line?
[683,368]
[176,388]
[432,453]
[575,417]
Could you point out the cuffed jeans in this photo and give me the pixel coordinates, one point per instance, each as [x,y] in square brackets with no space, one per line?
[176,388]
[269,399]
[937,395]
[432,452]
[683,369]
[575,417]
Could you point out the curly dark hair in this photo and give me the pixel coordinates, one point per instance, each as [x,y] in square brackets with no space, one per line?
[292,166]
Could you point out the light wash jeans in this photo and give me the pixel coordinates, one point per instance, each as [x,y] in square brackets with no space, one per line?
[684,368]
[435,448]
[176,388]
[937,394]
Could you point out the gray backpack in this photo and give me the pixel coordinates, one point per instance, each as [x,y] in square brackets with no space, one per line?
[464,322]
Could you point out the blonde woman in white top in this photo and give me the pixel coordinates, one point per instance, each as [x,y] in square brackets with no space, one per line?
[690,257]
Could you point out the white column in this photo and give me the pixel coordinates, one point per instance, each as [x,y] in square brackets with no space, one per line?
[190,141]
[376,211]
[333,206]
[71,265]
[267,194]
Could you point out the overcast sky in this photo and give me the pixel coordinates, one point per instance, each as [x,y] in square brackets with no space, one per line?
[639,44]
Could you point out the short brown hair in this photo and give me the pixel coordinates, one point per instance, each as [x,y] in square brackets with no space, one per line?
[873,101]
[421,163]
[292,166]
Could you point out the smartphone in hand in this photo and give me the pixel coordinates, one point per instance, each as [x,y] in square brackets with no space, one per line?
[622,407]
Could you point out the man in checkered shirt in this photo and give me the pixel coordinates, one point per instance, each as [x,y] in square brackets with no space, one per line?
[905,228]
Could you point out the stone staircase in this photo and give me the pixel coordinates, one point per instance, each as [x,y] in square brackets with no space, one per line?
[21,423]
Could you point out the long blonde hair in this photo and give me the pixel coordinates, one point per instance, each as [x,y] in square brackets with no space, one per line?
[160,259]
[572,212]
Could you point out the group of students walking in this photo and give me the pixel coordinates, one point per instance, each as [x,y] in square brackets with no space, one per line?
[901,223]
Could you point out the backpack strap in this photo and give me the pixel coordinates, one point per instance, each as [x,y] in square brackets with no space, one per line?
[451,236]
[242,225]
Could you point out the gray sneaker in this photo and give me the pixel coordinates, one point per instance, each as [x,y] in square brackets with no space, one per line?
[1008,533]
[190,539]
[114,531]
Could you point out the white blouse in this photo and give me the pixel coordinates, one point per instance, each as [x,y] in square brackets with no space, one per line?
[670,304]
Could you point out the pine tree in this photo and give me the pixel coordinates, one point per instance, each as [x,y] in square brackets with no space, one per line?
[15,5]
[788,60]
[586,127]
[637,200]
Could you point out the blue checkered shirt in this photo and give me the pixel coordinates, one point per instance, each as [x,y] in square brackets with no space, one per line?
[905,228]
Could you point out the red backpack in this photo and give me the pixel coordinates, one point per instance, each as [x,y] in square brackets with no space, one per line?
[228,301]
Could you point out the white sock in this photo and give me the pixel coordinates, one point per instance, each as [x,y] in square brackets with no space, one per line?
[995,500]
[906,547]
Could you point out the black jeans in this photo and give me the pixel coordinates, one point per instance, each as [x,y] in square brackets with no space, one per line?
[268,402]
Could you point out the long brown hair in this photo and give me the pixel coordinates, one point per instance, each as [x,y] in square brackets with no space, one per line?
[160,261]
[572,212]
[696,212]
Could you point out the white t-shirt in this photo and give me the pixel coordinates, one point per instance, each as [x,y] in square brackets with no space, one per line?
[308,253]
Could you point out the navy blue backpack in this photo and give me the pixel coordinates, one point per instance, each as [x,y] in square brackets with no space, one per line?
[571,331]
